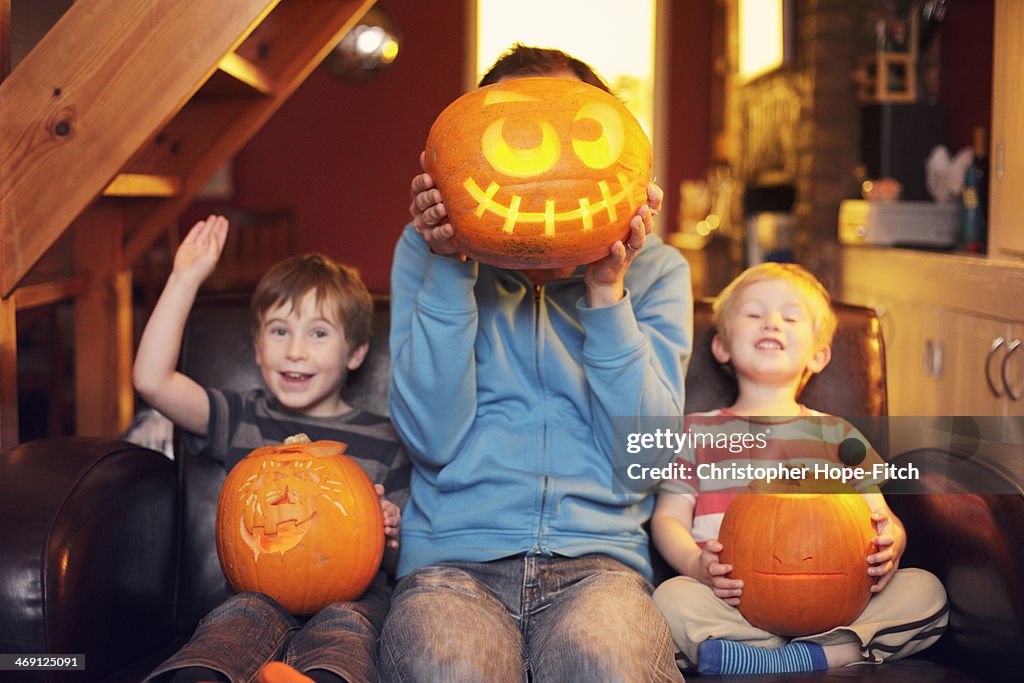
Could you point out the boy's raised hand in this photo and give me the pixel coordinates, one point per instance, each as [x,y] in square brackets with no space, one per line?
[891,541]
[714,574]
[199,252]
[392,518]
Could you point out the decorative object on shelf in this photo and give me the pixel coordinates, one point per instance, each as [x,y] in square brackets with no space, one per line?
[974,212]
[369,49]
[890,74]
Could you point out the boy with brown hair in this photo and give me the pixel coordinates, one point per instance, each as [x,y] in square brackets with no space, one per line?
[310,328]
[774,327]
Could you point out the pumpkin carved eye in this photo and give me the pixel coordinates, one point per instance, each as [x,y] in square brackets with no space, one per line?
[520,162]
[604,149]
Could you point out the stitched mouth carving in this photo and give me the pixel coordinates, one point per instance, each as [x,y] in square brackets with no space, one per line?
[812,575]
[549,217]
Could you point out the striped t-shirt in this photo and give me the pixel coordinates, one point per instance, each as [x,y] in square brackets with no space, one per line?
[809,439]
[242,422]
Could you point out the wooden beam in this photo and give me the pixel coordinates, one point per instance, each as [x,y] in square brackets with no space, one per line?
[33,296]
[96,88]
[5,39]
[8,375]
[143,185]
[292,42]
[103,325]
[8,321]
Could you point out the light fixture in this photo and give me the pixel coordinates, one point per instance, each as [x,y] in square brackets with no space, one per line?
[368,49]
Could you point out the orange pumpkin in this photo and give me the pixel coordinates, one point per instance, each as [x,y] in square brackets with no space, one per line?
[301,523]
[801,558]
[539,172]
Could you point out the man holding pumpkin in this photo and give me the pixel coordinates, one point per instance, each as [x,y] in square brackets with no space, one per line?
[774,328]
[518,557]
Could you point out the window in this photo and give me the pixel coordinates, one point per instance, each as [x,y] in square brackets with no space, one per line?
[615,37]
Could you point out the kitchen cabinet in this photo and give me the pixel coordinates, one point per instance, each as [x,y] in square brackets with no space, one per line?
[953,328]
[980,366]
[1006,186]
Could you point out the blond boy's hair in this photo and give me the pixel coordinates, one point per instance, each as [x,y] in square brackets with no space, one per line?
[815,296]
[340,294]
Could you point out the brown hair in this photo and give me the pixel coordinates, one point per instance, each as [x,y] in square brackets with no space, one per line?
[816,297]
[521,60]
[340,293]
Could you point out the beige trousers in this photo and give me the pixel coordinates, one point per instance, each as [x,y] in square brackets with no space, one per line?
[908,616]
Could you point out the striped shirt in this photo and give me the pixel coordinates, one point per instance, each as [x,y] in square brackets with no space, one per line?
[809,439]
[243,422]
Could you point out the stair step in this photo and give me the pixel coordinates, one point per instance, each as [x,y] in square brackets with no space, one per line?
[241,69]
[143,185]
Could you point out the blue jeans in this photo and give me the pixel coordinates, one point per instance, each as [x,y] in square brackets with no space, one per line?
[248,630]
[557,618]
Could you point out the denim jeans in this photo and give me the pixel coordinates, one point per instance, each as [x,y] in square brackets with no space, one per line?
[555,618]
[248,630]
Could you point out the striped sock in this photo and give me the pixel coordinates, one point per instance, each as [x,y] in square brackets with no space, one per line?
[730,657]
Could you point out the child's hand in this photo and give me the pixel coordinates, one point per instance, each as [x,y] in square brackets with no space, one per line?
[429,216]
[199,252]
[891,541]
[604,278]
[713,573]
[392,518]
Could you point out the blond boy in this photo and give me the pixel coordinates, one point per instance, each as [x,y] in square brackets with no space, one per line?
[774,328]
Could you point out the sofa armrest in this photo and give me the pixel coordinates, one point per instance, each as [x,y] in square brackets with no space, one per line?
[90,553]
[965,523]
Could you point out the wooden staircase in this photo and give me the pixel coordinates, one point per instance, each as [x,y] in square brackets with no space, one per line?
[108,129]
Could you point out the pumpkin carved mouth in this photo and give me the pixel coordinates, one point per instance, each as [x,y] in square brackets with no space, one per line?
[812,575]
[549,217]
[289,534]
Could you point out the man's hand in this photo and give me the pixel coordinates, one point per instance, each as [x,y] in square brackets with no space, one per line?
[604,278]
[429,217]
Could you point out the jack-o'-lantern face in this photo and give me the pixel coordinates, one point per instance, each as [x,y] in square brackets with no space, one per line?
[282,501]
[301,523]
[539,172]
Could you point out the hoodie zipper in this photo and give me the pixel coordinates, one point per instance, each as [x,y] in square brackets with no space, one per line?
[538,293]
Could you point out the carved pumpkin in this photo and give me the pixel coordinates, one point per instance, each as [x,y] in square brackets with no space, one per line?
[801,557]
[539,172]
[301,523]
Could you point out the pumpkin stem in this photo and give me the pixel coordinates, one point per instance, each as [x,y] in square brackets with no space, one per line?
[297,438]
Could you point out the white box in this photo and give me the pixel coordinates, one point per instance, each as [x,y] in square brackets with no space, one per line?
[918,224]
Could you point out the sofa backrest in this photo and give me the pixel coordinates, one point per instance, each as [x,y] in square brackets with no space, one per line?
[217,351]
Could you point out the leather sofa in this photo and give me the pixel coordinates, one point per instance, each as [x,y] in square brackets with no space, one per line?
[110,552]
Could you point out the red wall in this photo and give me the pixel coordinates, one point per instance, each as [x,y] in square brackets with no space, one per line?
[341,155]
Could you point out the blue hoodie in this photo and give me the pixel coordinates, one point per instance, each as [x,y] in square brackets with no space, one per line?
[504,394]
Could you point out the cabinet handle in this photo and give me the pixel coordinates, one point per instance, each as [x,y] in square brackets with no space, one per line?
[1000,159]
[929,358]
[994,386]
[1015,395]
